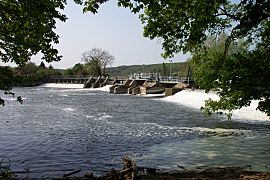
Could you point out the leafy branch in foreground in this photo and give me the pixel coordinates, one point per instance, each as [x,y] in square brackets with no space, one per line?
[27,28]
[238,78]
[6,79]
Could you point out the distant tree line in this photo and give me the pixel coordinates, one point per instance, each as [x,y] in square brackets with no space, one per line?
[177,69]
[28,74]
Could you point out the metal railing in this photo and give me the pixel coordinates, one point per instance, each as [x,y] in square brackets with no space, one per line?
[174,79]
[158,77]
[138,76]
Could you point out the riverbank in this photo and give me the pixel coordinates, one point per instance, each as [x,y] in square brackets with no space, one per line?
[141,173]
[225,173]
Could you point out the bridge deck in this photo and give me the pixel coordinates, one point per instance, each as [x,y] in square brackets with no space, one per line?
[161,79]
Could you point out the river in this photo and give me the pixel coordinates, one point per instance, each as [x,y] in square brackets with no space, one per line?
[56,130]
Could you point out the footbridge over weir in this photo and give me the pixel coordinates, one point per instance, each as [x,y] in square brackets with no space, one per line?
[119,80]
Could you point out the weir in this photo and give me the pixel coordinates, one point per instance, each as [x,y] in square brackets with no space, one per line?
[142,83]
[144,86]
[68,79]
[89,82]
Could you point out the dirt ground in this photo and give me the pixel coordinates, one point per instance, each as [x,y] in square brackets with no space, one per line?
[229,173]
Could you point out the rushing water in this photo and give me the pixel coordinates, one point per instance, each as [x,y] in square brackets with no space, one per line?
[57,130]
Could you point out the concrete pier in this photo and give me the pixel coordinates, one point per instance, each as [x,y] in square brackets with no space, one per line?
[127,87]
[89,83]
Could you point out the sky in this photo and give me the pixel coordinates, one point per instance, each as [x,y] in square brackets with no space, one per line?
[114,29]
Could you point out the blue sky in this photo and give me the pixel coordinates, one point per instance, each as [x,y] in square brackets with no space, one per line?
[114,29]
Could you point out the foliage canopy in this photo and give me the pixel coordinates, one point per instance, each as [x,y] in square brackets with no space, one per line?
[242,77]
[26,28]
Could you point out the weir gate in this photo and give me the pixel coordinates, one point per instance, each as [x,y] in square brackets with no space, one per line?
[141,83]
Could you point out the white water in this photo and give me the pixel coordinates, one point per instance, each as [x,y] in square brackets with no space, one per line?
[75,86]
[64,85]
[196,99]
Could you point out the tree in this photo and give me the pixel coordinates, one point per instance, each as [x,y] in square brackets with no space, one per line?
[98,60]
[164,71]
[6,76]
[238,80]
[42,65]
[78,69]
[68,72]
[184,26]
[26,28]
[28,69]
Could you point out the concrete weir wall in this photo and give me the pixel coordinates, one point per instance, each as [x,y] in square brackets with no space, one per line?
[140,86]
[96,82]
[122,89]
[127,87]
[172,91]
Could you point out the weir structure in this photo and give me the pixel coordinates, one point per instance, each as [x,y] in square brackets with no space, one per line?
[141,83]
[151,83]
[89,82]
[68,79]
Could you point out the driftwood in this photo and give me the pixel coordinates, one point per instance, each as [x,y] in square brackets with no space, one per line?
[71,173]
[129,171]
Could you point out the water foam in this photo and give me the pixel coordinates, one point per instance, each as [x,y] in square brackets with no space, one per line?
[69,109]
[99,117]
[75,87]
[64,85]
[196,99]
[154,129]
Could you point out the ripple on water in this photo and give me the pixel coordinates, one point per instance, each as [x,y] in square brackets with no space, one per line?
[51,133]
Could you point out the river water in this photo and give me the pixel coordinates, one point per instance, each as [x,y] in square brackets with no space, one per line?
[60,129]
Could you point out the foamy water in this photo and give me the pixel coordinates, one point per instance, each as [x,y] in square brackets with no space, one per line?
[63,85]
[75,86]
[196,99]
[69,109]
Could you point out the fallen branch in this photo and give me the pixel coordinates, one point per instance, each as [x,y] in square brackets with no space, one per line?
[71,173]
